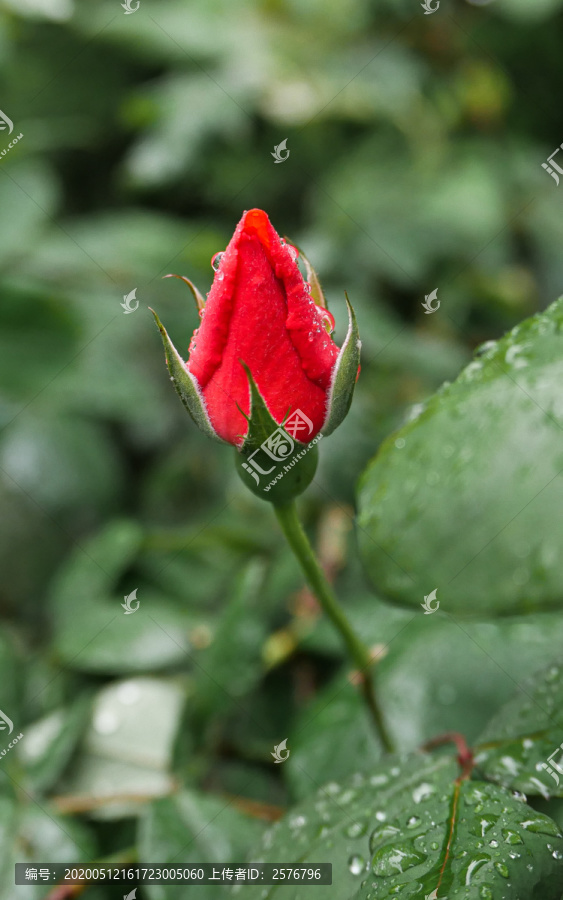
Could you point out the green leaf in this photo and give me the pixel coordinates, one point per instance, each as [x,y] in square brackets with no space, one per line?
[127,749]
[192,827]
[473,841]
[318,752]
[515,747]
[437,676]
[33,833]
[93,568]
[483,457]
[92,632]
[411,829]
[336,823]
[50,742]
[231,666]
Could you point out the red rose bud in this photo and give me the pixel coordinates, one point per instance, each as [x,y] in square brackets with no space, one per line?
[261,324]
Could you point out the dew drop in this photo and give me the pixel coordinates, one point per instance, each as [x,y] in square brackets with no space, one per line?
[328,320]
[395,858]
[511,837]
[356,864]
[413,822]
[486,347]
[423,792]
[216,260]
[474,867]
[541,826]
[502,869]
[380,815]
[484,825]
[356,829]
[381,836]
[485,892]
[378,780]
[552,674]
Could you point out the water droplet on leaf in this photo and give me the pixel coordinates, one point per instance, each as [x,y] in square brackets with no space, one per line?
[356,864]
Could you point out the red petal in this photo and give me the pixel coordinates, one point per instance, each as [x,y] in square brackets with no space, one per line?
[259,310]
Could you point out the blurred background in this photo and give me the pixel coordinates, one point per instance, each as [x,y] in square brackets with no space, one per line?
[416,144]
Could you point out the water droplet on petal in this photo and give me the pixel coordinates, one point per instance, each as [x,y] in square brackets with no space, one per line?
[216,260]
[328,320]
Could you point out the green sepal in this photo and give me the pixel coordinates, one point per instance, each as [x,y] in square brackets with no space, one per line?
[186,385]
[263,474]
[344,376]
[197,295]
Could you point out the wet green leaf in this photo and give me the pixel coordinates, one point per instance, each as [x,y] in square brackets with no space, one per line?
[471,841]
[485,454]
[410,829]
[522,746]
[336,823]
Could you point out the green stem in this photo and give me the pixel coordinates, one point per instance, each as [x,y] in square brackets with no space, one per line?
[360,654]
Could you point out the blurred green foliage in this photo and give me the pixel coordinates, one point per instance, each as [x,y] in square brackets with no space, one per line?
[415,150]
